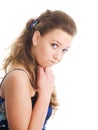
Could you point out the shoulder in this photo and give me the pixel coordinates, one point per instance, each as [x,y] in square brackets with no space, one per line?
[17,77]
[16,81]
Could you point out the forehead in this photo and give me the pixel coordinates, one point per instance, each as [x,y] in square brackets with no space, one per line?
[59,36]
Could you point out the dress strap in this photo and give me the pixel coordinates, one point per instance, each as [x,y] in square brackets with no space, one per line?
[13,70]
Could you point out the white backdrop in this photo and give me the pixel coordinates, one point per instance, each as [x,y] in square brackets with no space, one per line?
[76,75]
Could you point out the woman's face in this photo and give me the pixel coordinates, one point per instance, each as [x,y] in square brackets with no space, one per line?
[50,48]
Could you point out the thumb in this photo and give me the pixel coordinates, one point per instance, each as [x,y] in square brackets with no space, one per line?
[40,71]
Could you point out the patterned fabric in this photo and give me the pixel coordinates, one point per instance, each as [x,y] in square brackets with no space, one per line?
[3,120]
[2,109]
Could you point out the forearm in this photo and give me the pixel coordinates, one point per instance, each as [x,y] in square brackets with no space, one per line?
[45,83]
[39,112]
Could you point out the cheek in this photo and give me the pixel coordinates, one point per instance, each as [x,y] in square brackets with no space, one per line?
[45,50]
[43,54]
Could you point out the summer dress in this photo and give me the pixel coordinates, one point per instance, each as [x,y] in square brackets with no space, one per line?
[3,119]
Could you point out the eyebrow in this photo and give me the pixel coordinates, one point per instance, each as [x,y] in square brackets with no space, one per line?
[58,42]
[61,43]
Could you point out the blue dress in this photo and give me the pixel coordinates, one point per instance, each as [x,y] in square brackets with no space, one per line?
[3,120]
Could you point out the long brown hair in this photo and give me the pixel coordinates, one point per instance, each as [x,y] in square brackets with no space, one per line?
[21,48]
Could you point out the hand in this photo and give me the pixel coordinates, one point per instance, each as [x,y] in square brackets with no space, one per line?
[45,81]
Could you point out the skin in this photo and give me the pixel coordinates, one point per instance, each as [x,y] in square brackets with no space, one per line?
[50,49]
[17,90]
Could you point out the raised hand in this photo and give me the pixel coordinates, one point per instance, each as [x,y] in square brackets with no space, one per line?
[45,81]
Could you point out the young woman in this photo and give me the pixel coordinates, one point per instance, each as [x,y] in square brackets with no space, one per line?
[28,96]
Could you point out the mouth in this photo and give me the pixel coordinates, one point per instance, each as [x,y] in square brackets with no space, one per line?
[52,62]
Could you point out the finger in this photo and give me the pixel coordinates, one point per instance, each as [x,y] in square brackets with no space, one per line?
[47,70]
[40,71]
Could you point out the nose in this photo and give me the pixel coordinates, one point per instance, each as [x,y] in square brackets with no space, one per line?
[57,57]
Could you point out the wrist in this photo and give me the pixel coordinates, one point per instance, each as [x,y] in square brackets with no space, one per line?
[44,96]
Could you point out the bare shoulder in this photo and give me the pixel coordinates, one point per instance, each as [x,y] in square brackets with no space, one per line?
[17,82]
[16,77]
[18,99]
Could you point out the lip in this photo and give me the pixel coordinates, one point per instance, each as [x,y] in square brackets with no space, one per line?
[52,62]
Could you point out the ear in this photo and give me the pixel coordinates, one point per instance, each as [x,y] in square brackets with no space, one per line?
[35,38]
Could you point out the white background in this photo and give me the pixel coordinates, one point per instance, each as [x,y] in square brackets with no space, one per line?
[77,75]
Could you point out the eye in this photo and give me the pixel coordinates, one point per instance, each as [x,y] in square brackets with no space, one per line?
[54,45]
[65,50]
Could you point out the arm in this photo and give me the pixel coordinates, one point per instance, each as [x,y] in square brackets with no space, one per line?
[45,84]
[18,102]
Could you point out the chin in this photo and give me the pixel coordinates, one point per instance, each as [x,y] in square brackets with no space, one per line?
[49,66]
[46,65]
